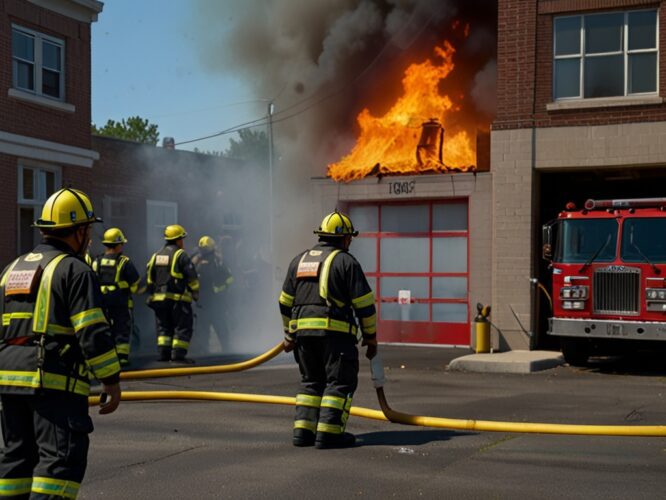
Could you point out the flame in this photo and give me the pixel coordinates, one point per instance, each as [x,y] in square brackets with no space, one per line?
[388,144]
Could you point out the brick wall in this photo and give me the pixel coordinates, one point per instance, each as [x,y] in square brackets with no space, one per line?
[199,184]
[525,88]
[8,211]
[34,120]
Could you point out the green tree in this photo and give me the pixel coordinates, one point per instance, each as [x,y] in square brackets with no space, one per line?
[251,146]
[133,128]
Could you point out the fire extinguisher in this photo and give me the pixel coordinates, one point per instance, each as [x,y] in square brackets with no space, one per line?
[482,328]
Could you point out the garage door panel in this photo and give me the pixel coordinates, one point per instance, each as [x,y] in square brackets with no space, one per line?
[405,255]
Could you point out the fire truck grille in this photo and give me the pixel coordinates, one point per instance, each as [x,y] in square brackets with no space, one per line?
[616,290]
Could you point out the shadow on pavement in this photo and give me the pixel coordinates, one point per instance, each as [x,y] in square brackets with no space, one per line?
[406,438]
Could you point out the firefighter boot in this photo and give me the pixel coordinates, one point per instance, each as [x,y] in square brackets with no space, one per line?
[303,437]
[326,440]
[178,356]
[164,353]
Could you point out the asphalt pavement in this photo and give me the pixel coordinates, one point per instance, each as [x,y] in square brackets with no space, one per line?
[193,450]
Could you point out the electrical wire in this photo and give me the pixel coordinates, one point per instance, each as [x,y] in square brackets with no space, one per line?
[264,120]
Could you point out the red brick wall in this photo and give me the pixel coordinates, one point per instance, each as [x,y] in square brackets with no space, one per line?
[8,211]
[516,77]
[137,172]
[33,120]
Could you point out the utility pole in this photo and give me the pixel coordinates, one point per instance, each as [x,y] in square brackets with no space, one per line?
[271,108]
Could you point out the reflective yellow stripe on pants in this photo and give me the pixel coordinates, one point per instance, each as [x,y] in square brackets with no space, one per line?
[55,487]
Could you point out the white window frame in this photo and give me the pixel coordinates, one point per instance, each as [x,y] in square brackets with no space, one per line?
[41,195]
[581,56]
[37,64]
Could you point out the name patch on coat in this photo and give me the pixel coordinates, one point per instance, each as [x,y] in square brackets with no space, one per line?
[162,260]
[307,269]
[22,282]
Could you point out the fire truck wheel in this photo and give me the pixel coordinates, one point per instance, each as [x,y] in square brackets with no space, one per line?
[576,352]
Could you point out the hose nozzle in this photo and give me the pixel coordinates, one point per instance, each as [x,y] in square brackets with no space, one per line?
[377,371]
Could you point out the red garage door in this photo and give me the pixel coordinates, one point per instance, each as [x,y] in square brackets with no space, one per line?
[415,256]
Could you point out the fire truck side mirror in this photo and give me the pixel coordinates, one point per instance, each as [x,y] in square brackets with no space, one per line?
[547,237]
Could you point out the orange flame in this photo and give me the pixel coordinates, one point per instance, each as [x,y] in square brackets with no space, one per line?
[388,144]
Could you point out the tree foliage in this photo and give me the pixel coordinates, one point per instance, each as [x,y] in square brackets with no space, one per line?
[133,128]
[251,146]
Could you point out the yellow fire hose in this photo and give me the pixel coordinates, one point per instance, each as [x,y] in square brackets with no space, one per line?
[386,412]
[203,370]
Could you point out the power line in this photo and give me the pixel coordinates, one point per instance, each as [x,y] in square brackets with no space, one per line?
[265,119]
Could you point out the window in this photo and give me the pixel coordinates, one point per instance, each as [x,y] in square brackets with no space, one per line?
[38,63]
[159,215]
[605,55]
[35,185]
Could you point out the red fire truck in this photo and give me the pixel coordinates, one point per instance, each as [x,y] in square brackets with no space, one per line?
[608,265]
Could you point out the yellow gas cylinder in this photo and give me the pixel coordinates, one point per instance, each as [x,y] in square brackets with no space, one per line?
[482,328]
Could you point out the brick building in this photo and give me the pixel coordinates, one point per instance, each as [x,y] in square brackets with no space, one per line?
[581,114]
[45,109]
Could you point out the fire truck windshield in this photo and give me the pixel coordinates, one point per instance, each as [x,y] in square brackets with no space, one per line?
[644,240]
[587,240]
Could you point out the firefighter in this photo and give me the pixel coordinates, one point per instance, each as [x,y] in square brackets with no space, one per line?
[324,294]
[119,279]
[54,336]
[215,279]
[172,282]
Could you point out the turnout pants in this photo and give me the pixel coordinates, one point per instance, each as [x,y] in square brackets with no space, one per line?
[174,324]
[211,313]
[121,327]
[45,445]
[329,377]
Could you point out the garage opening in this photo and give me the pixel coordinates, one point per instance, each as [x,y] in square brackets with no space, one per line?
[416,258]
[556,189]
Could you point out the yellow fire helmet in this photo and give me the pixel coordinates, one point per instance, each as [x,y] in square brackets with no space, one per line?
[174,232]
[207,243]
[113,236]
[336,224]
[66,208]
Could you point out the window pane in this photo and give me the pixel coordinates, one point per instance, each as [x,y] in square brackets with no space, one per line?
[23,46]
[404,255]
[51,56]
[28,184]
[567,78]
[449,313]
[28,236]
[642,73]
[449,255]
[567,36]
[404,312]
[405,218]
[365,218]
[50,83]
[418,286]
[604,76]
[449,217]
[643,30]
[49,178]
[603,33]
[365,251]
[449,288]
[25,78]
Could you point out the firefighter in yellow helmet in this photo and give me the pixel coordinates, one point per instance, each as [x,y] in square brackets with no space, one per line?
[324,294]
[173,284]
[54,337]
[215,279]
[119,279]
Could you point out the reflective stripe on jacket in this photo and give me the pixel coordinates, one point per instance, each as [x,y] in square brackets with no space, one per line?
[54,334]
[171,275]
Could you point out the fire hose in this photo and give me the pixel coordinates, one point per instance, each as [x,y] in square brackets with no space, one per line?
[386,413]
